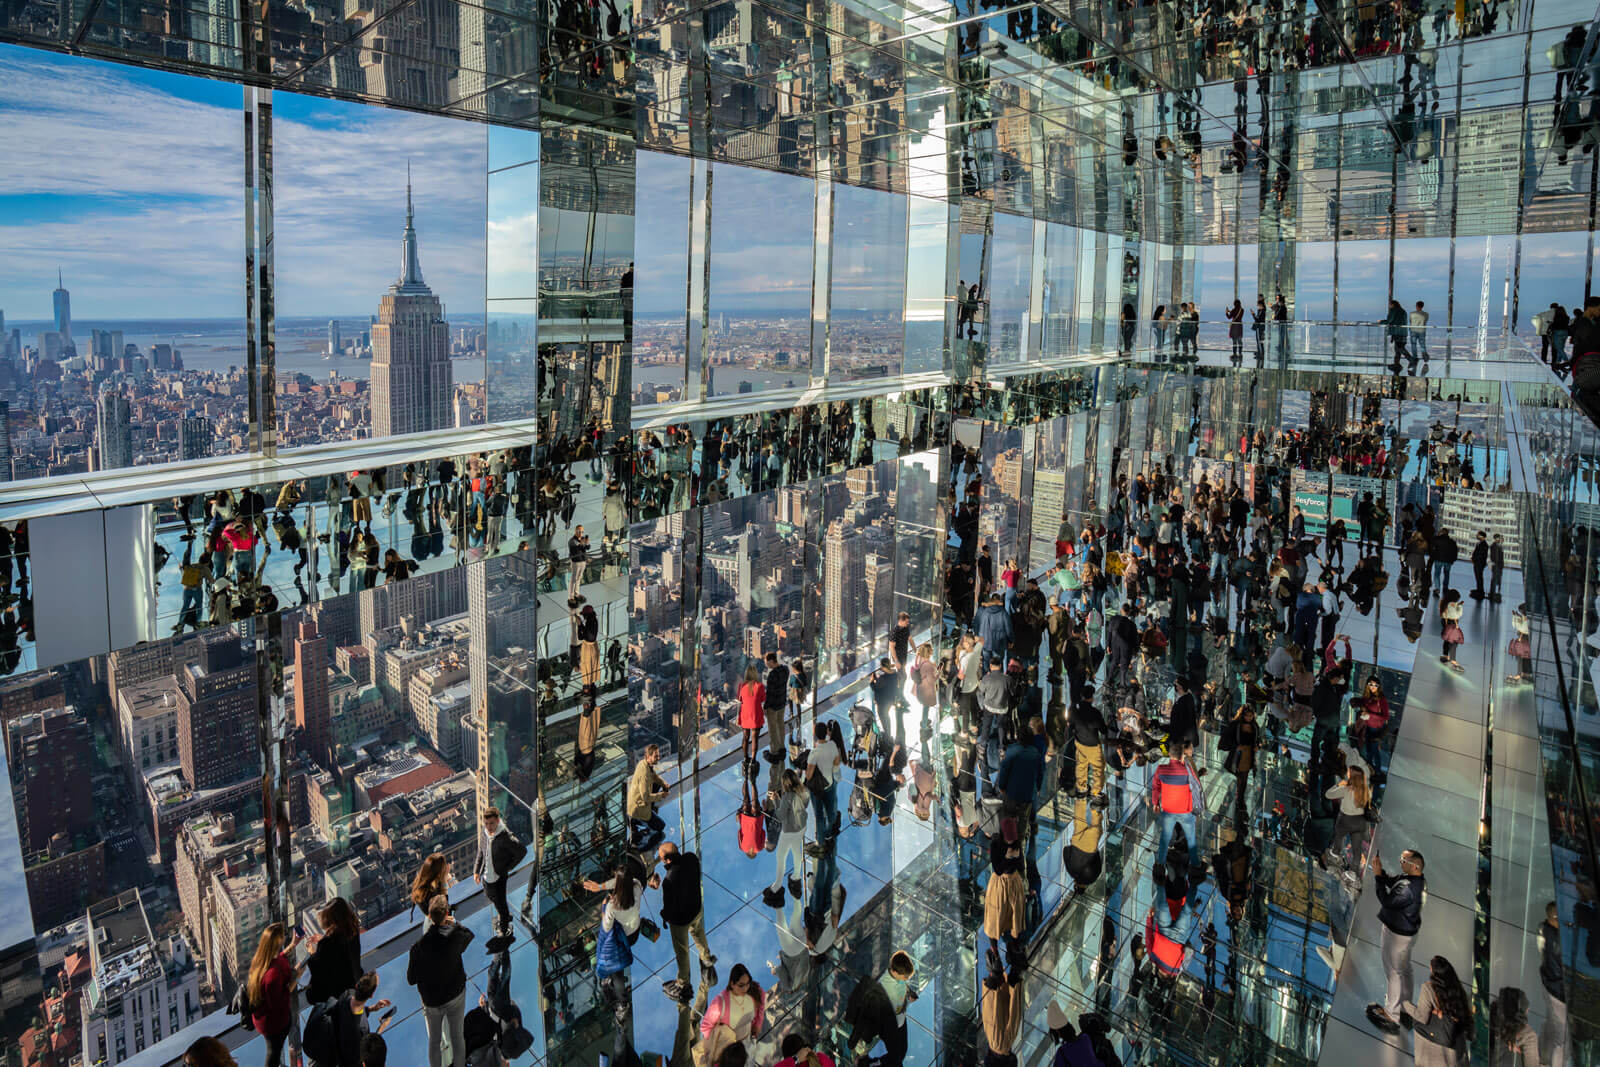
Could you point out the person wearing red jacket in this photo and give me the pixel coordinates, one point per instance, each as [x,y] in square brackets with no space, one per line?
[1175,795]
[1372,718]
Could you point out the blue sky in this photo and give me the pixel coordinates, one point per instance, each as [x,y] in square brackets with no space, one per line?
[132,181]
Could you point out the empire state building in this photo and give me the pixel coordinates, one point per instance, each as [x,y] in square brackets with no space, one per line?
[411,374]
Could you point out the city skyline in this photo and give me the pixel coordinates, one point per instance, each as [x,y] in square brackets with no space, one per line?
[165,239]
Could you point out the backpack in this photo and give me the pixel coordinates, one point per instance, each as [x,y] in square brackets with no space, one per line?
[240,1006]
[319,1038]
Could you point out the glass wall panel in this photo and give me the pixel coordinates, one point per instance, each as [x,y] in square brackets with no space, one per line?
[760,297]
[1091,289]
[1060,298]
[136,779]
[1215,285]
[1313,282]
[867,309]
[857,524]
[136,352]
[1549,269]
[1010,271]
[927,302]
[1422,272]
[661,267]
[511,371]
[1483,271]
[379,244]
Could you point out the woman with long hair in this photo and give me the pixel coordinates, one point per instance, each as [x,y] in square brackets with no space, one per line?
[1512,1042]
[622,903]
[1353,794]
[752,713]
[269,986]
[1443,1018]
[433,878]
[1372,719]
[335,960]
[790,811]
[922,681]
[734,1015]
[1235,316]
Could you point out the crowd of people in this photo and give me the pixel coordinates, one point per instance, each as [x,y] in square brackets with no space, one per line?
[239,555]
[313,1001]
[1195,629]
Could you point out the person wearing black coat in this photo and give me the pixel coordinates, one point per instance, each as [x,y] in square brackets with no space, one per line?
[1184,725]
[1122,641]
[773,706]
[334,965]
[1327,706]
[351,1023]
[497,849]
[1400,915]
[1444,552]
[873,1014]
[1497,566]
[436,969]
[1553,976]
[1480,563]
[1088,725]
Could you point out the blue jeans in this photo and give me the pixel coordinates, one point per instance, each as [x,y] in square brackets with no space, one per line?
[825,810]
[1370,749]
[1441,574]
[1191,831]
[989,749]
[192,599]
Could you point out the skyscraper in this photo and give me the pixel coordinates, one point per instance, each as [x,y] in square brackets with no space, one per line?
[311,711]
[115,430]
[106,347]
[842,575]
[52,754]
[334,344]
[216,715]
[411,374]
[194,437]
[5,441]
[63,305]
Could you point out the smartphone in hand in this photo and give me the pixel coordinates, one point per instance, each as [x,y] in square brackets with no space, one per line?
[386,1016]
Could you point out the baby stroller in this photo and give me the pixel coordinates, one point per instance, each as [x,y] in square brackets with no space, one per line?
[863,736]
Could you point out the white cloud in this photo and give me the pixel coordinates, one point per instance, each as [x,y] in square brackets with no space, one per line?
[133,182]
